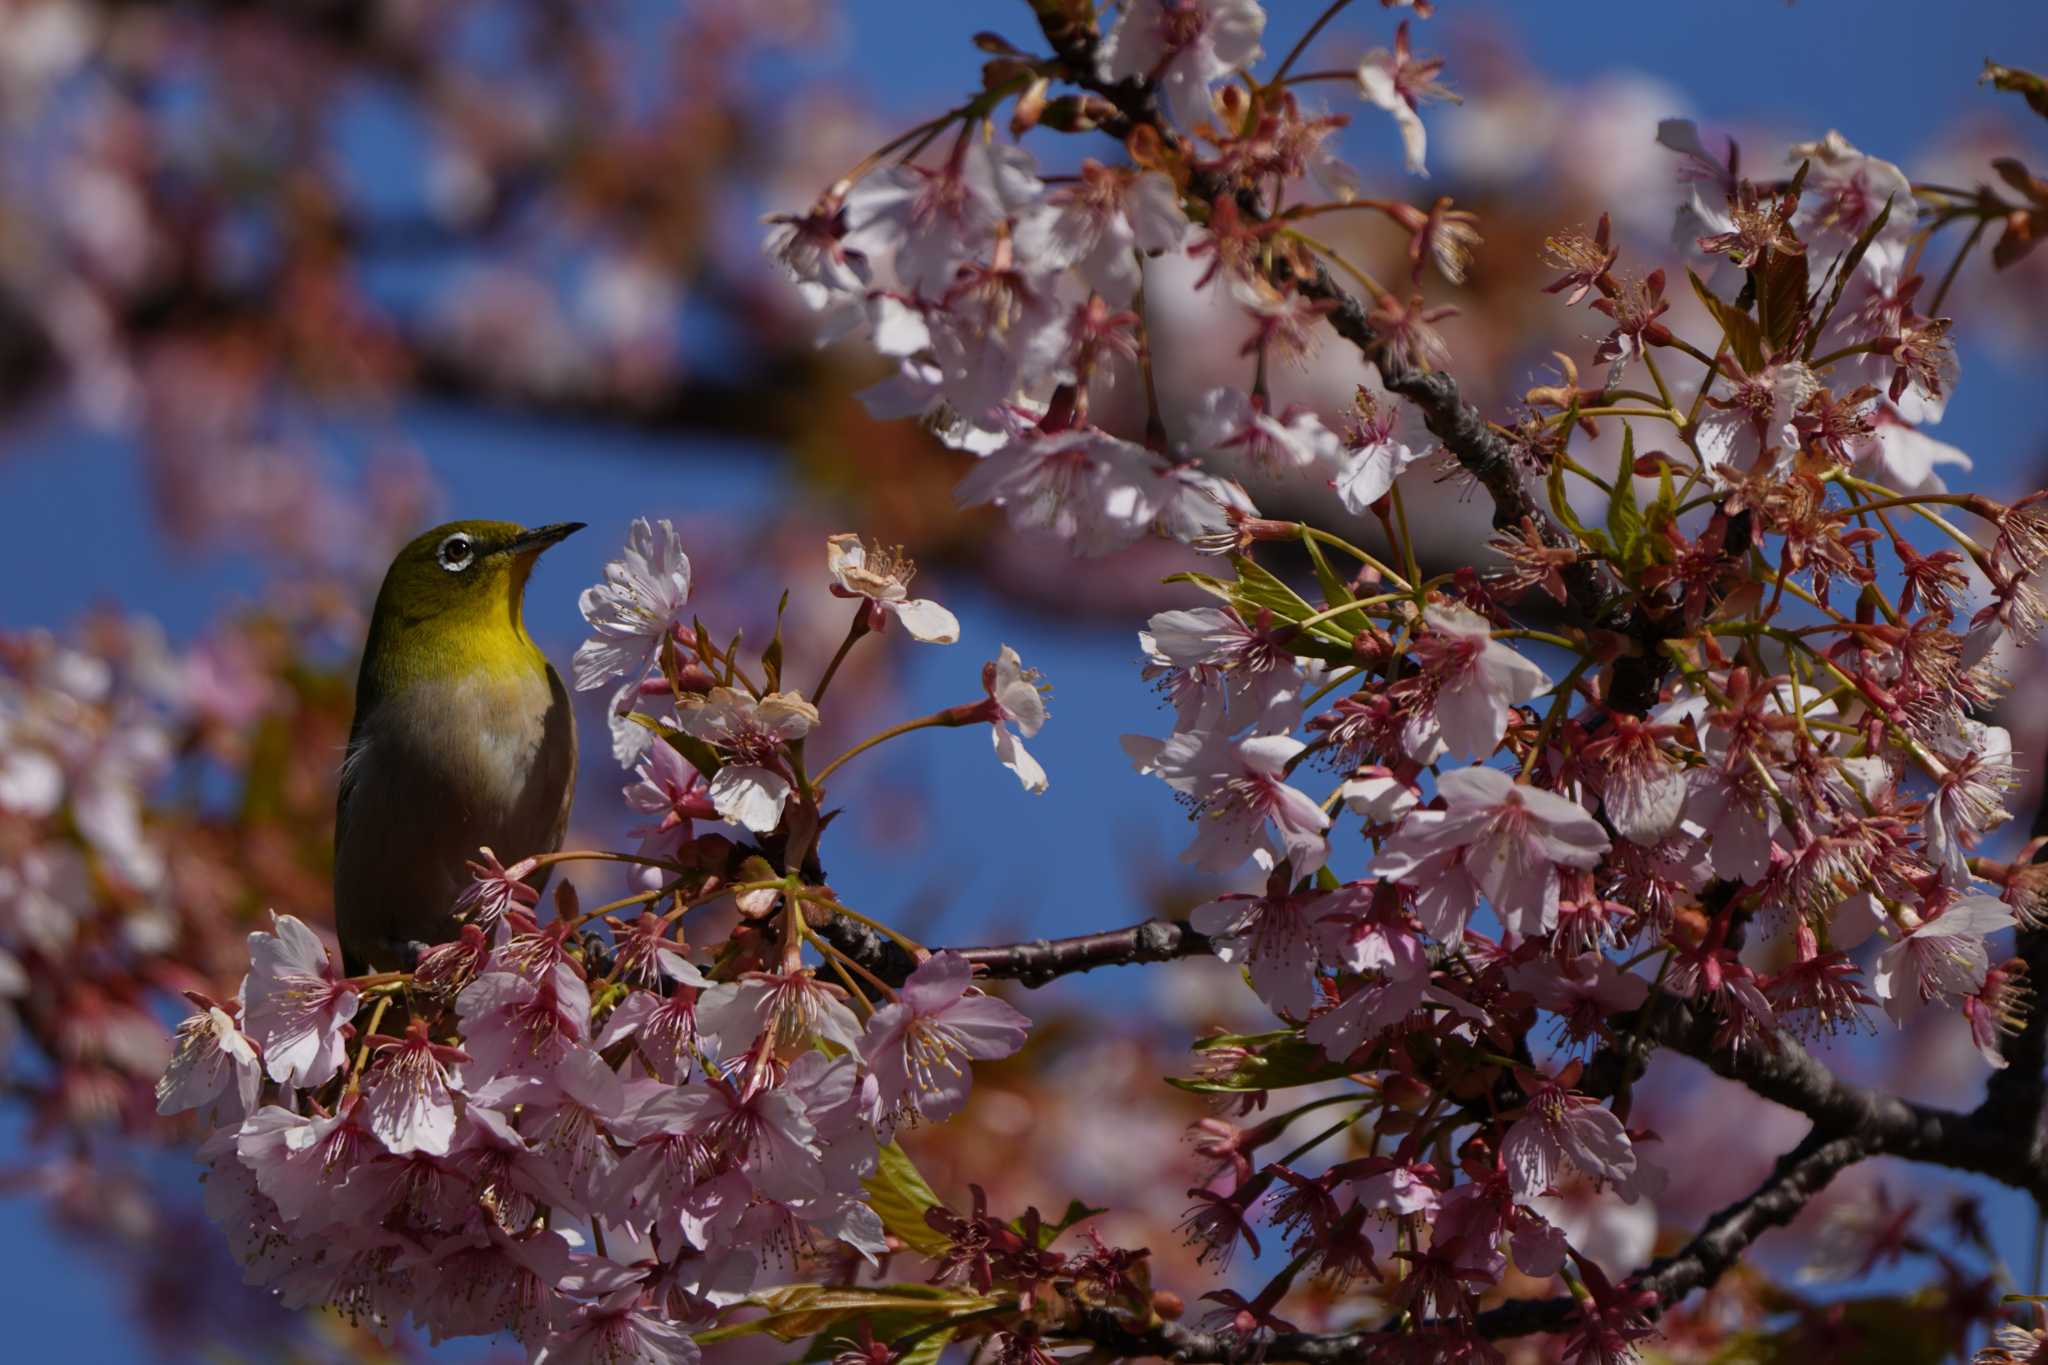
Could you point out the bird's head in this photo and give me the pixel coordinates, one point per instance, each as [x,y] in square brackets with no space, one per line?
[455,592]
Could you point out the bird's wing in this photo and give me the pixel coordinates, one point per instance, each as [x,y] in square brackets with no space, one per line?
[560,706]
[345,778]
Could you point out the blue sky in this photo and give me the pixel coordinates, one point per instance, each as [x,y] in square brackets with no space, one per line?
[1888,74]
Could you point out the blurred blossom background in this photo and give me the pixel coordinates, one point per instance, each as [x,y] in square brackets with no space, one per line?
[281,284]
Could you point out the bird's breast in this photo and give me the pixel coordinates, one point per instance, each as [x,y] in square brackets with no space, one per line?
[484,740]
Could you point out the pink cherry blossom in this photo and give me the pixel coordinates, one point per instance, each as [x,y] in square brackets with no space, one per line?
[1512,839]
[512,1025]
[640,601]
[621,1329]
[927,220]
[1941,956]
[211,1054]
[1233,422]
[1015,698]
[298,1003]
[752,735]
[1187,45]
[411,1097]
[674,793]
[1475,683]
[1236,789]
[918,1046]
[1081,485]
[783,1011]
[1562,1131]
[1401,83]
[1271,937]
[495,889]
[1096,225]
[1256,670]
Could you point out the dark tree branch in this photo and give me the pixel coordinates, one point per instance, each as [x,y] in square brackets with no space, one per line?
[2014,1097]
[1797,1177]
[1032,964]
[1043,960]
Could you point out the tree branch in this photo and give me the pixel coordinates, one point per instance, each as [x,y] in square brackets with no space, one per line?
[1786,1073]
[1797,1177]
[1032,964]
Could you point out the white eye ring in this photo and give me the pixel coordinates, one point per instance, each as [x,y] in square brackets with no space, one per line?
[456,553]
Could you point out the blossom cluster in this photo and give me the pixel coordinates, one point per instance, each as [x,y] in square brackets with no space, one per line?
[101,911]
[604,1143]
[1706,736]
[592,1163]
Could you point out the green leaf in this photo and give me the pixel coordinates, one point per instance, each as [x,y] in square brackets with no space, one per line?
[1624,521]
[702,756]
[928,1348]
[1048,1233]
[1258,591]
[1279,1065]
[1846,267]
[771,657]
[1216,1040]
[801,1310]
[1335,589]
[1745,341]
[899,1196]
[1208,583]
[1560,500]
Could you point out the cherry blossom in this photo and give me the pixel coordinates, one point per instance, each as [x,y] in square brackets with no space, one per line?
[1511,838]
[1081,485]
[918,1046]
[883,578]
[1475,683]
[1559,1131]
[1400,83]
[1015,698]
[1942,956]
[1186,46]
[1212,649]
[298,1003]
[1232,421]
[411,1096]
[674,793]
[926,220]
[753,784]
[786,1011]
[1097,225]
[1272,936]
[640,601]
[212,1055]
[1236,789]
[1375,457]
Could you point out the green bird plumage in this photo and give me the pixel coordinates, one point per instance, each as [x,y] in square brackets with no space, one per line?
[463,738]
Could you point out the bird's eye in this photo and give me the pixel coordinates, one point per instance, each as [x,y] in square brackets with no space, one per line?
[455,553]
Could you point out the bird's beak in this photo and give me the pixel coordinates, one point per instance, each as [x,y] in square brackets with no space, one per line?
[540,537]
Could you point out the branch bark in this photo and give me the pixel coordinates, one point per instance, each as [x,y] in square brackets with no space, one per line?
[1797,1177]
[1033,964]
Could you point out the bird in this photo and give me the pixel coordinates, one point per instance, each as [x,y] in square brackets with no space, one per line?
[463,739]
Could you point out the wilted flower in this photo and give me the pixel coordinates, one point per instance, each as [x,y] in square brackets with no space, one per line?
[883,578]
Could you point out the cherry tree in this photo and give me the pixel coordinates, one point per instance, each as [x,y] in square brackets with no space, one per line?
[1697,757]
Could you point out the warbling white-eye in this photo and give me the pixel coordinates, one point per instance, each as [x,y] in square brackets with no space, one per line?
[463,738]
